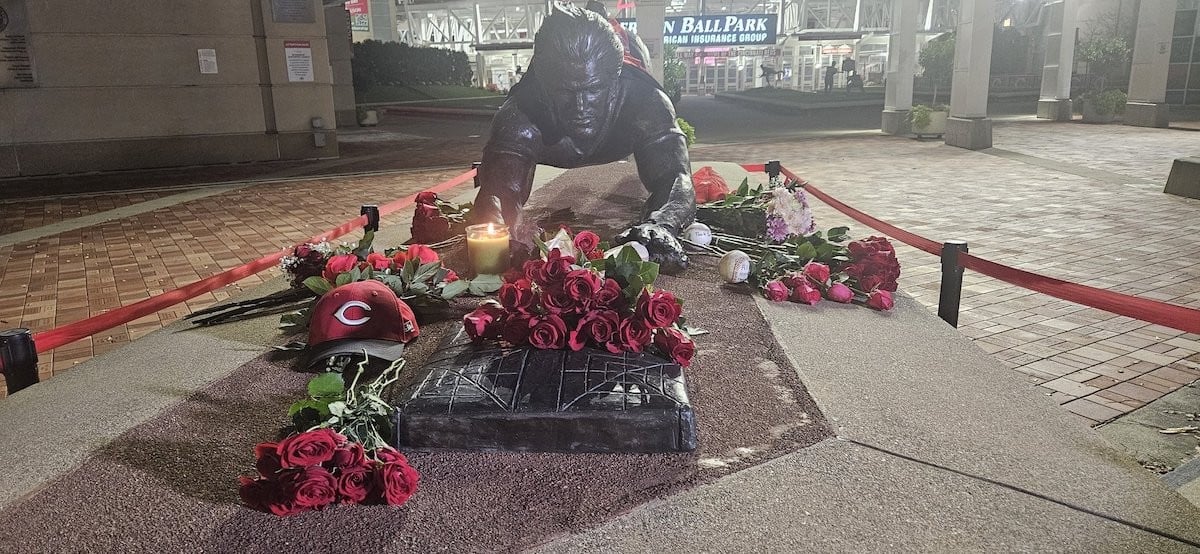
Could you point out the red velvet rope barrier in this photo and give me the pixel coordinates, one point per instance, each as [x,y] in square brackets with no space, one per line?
[1162,313]
[71,332]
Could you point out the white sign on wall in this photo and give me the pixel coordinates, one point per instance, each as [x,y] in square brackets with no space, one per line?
[16,60]
[208,61]
[298,57]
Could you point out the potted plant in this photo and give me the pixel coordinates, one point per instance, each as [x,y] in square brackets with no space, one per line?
[1106,53]
[937,63]
[1103,106]
[366,116]
[928,120]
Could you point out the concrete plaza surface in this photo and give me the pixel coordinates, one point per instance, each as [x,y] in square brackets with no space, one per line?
[940,447]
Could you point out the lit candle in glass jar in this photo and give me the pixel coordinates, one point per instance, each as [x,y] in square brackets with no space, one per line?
[487,248]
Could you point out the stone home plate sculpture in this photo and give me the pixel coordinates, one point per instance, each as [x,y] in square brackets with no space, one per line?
[546,400]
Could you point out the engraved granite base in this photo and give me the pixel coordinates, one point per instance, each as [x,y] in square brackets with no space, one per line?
[488,397]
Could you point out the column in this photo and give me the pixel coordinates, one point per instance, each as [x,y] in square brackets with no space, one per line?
[651,15]
[1147,105]
[341,51]
[901,63]
[1055,100]
[968,125]
[383,20]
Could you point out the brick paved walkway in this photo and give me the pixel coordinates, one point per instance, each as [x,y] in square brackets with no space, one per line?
[1077,202]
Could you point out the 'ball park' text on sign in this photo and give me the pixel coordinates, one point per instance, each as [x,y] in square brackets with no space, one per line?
[715,30]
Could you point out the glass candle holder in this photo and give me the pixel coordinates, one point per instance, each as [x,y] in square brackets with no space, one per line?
[487,248]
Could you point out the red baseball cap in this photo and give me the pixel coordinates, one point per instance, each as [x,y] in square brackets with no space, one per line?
[364,316]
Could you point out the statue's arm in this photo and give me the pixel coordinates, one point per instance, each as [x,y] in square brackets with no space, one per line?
[506,170]
[665,171]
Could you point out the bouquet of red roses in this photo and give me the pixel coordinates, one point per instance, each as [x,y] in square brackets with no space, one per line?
[317,468]
[435,219]
[552,303]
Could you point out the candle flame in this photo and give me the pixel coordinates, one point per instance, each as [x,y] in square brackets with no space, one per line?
[491,229]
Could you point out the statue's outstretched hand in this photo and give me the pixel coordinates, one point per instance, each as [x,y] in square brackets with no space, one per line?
[664,248]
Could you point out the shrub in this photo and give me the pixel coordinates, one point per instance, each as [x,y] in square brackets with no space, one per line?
[937,59]
[1107,102]
[390,63]
[689,132]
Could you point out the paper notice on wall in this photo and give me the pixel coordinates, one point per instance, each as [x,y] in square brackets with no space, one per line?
[208,61]
[16,59]
[298,56]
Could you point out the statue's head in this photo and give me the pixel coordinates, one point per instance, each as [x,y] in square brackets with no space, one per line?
[577,59]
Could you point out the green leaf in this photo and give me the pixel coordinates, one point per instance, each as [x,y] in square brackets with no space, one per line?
[838,234]
[327,385]
[695,331]
[806,252]
[297,319]
[482,285]
[343,278]
[825,251]
[318,285]
[337,409]
[541,245]
[451,290]
[649,272]
[356,274]
[409,271]
[627,255]
[426,271]
[364,245]
[321,407]
[393,282]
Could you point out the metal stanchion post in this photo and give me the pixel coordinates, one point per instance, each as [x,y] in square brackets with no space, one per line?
[951,290]
[475,166]
[18,359]
[773,168]
[372,213]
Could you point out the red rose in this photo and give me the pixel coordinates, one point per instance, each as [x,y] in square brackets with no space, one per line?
[557,300]
[776,291]
[309,448]
[518,296]
[805,293]
[339,264]
[881,300]
[429,225]
[355,482]
[554,270]
[840,293]
[586,241]
[609,296]
[675,345]
[302,251]
[387,454]
[398,481]
[819,272]
[581,285]
[634,334]
[349,455]
[870,282]
[513,275]
[532,269]
[658,309]
[427,197]
[547,332]
[378,261]
[451,277]
[515,330]
[257,494]
[599,326]
[415,252]
[484,322]
[267,459]
[311,487]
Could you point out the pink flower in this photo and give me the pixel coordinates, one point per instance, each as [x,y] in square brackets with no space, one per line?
[805,293]
[818,272]
[776,291]
[415,252]
[881,300]
[840,293]
[484,322]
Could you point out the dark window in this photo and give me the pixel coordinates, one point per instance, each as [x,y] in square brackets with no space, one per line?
[1185,23]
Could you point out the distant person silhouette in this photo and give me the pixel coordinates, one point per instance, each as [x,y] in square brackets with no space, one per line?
[829,73]
[854,81]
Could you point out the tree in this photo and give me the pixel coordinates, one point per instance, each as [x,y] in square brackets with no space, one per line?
[937,60]
[674,72]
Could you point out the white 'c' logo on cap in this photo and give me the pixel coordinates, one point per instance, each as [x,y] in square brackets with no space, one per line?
[340,315]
